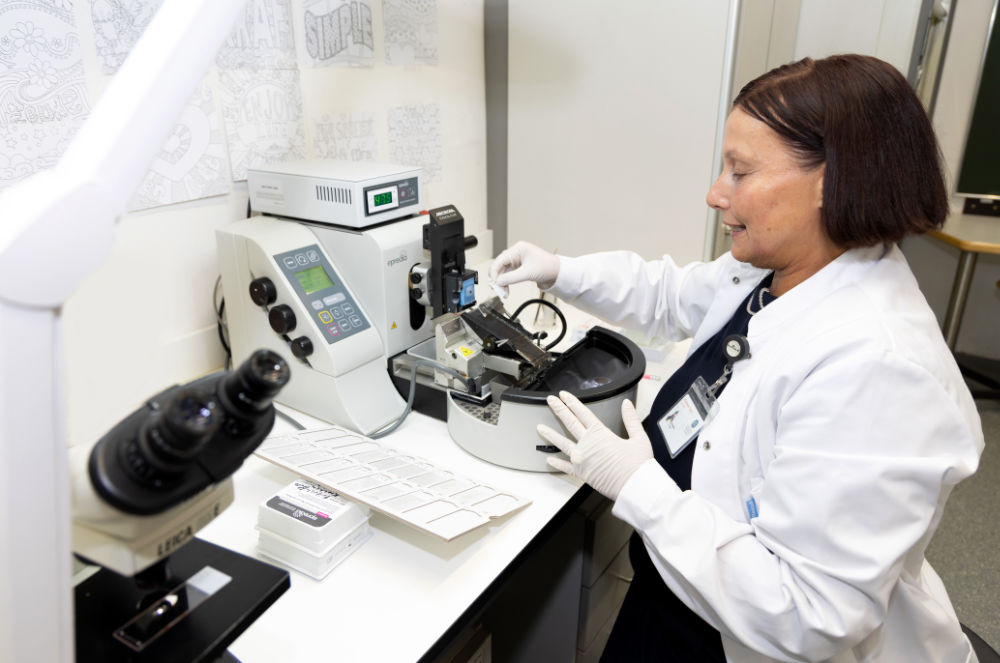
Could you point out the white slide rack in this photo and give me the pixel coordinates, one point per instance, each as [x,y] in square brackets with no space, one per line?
[405,487]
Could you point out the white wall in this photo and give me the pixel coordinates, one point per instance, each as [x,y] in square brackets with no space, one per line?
[768,32]
[145,320]
[883,28]
[612,123]
[612,112]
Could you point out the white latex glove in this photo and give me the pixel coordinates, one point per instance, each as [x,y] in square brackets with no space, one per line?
[524,262]
[599,457]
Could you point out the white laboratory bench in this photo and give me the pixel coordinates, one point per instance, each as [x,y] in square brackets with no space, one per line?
[403,595]
[403,589]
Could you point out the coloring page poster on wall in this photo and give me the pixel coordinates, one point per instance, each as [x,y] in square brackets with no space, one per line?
[259,84]
[346,136]
[262,38]
[415,138]
[262,110]
[117,26]
[43,92]
[192,163]
[411,31]
[338,32]
[192,160]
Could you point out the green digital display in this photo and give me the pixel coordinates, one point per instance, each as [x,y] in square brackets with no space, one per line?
[382,198]
[313,279]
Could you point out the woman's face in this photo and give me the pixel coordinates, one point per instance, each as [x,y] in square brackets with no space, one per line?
[771,203]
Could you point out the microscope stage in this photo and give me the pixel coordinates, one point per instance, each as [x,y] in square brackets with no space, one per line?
[237,591]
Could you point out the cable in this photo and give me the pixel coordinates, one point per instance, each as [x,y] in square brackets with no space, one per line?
[219,306]
[215,297]
[413,390]
[220,322]
[287,417]
[562,318]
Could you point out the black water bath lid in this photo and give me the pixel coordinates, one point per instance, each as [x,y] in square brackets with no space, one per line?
[601,365]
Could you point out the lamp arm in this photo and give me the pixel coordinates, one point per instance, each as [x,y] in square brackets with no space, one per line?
[56,229]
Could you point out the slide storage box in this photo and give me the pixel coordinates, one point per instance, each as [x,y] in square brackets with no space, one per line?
[309,528]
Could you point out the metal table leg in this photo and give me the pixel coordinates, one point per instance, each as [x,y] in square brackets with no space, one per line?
[959,294]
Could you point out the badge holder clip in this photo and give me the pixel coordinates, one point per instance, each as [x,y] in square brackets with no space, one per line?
[682,422]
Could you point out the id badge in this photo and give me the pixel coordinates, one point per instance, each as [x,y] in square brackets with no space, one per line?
[682,423]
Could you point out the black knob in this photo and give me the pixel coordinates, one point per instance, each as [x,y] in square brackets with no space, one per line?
[302,347]
[416,277]
[262,291]
[416,293]
[282,318]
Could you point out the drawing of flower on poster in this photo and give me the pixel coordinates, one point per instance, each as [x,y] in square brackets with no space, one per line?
[411,31]
[43,93]
[338,32]
[118,24]
[262,111]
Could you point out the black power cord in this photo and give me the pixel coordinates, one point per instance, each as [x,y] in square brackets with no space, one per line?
[544,302]
[219,305]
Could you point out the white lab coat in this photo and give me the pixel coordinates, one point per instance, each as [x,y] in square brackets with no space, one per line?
[848,426]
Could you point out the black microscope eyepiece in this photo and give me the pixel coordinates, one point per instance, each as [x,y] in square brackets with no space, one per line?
[187,437]
[171,437]
[252,387]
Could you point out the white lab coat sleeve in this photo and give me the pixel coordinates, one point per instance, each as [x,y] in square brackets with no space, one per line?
[656,297]
[867,446]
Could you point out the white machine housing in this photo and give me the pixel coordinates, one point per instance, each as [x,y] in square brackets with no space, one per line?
[377,262]
[344,379]
[345,193]
[602,370]
[509,437]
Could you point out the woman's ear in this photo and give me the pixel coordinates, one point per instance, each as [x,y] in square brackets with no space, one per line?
[820,176]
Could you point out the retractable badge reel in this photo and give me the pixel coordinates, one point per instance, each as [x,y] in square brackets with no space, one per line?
[682,423]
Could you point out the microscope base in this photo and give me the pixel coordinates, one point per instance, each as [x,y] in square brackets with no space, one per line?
[106,602]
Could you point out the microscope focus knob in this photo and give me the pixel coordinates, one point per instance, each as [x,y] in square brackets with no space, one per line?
[262,291]
[281,318]
[302,347]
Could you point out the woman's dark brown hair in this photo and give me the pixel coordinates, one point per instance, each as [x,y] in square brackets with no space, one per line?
[858,116]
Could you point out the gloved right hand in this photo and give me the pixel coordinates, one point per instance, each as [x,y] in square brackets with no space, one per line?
[524,262]
[598,456]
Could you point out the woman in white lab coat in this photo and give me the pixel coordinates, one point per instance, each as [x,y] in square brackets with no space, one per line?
[787,520]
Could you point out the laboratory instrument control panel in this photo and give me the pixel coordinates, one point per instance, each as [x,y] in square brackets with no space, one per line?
[391,195]
[331,306]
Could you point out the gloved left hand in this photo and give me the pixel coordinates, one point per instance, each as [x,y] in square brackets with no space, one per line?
[598,456]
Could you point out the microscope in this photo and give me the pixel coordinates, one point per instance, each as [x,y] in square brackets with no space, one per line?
[139,496]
